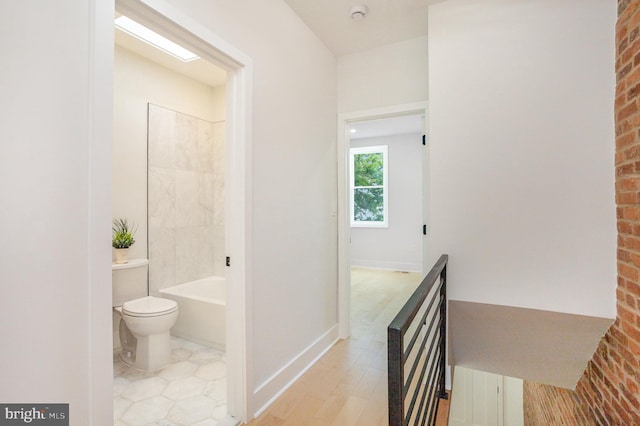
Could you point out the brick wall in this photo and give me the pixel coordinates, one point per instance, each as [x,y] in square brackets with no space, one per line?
[548,405]
[608,393]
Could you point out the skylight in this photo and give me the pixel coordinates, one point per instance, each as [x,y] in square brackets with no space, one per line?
[140,32]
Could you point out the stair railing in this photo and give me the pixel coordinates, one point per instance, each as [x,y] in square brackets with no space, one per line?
[416,345]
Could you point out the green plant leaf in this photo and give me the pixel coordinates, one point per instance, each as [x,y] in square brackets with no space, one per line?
[122,234]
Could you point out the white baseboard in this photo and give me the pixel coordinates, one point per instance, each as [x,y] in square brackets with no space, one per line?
[390,266]
[266,393]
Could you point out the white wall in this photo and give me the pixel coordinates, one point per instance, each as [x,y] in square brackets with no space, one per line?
[56,210]
[294,243]
[522,147]
[398,247]
[55,165]
[393,74]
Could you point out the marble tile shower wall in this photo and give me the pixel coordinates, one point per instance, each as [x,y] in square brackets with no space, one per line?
[186,198]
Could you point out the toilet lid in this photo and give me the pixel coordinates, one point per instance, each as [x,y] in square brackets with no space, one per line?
[149,306]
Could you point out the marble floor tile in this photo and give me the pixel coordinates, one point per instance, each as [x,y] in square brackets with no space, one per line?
[120,405]
[147,411]
[191,391]
[204,356]
[192,410]
[212,371]
[178,370]
[120,384]
[216,390]
[144,388]
[208,422]
[185,388]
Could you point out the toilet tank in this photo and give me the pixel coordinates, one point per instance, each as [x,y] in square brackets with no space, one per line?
[129,281]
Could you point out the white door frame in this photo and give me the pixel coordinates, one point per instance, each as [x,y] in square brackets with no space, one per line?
[172,23]
[344,222]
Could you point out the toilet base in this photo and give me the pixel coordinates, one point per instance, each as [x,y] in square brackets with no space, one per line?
[152,353]
[145,338]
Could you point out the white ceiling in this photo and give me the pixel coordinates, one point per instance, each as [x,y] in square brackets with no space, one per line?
[388,21]
[399,125]
[198,69]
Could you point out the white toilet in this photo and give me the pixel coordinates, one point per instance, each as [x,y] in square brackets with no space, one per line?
[144,332]
[144,321]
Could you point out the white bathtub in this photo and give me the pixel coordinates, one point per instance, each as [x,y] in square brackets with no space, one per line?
[201,311]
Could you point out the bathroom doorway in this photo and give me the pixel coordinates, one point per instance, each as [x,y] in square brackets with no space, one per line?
[216,114]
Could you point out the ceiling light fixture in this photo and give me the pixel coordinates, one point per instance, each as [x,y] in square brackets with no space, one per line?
[143,33]
[359,12]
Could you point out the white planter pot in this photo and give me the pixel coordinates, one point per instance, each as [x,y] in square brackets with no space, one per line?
[122,255]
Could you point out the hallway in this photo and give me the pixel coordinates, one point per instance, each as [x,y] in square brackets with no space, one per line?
[348,385]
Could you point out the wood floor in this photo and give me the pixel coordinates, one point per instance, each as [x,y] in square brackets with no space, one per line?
[348,386]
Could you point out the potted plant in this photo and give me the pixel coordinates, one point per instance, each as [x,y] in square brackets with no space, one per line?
[122,239]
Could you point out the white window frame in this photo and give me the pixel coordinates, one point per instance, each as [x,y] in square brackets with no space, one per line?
[379,149]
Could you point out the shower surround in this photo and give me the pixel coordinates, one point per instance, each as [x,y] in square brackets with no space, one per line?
[186,198]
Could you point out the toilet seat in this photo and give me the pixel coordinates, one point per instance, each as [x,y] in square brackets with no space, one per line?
[149,306]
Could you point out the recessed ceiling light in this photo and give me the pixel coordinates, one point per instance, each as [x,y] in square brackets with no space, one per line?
[143,33]
[352,130]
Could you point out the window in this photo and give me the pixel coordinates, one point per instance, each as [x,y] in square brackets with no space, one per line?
[369,186]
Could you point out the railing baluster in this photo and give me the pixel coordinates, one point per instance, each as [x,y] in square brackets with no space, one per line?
[443,332]
[396,376]
[420,351]
[427,389]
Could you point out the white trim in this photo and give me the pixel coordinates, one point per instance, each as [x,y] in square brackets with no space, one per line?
[277,384]
[379,149]
[100,141]
[344,230]
[170,22]
[344,222]
[238,237]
